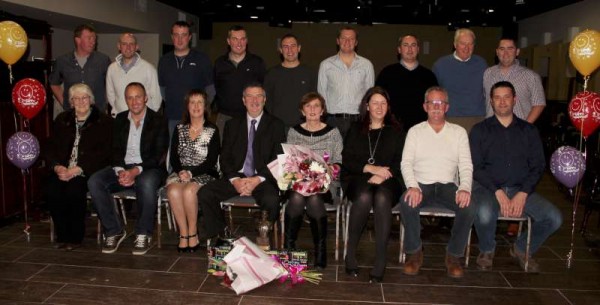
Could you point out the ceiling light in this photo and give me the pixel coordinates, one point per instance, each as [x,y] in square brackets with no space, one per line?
[491,10]
[239,6]
[253,17]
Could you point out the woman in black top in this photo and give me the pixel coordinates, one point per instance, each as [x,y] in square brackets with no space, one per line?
[78,147]
[371,176]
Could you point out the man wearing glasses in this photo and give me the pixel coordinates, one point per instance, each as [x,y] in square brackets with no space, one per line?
[436,152]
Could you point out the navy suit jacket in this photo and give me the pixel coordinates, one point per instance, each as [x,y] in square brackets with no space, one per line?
[153,144]
[267,145]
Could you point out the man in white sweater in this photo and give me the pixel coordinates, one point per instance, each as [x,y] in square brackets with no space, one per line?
[437,169]
[130,67]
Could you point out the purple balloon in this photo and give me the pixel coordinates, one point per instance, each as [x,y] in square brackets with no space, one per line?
[22,149]
[567,164]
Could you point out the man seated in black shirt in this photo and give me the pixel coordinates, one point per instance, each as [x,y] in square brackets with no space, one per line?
[508,162]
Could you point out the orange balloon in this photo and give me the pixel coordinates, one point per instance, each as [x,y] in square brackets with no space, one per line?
[13,42]
[584,52]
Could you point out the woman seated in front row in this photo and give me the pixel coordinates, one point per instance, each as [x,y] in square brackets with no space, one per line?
[195,148]
[322,139]
[77,148]
[371,176]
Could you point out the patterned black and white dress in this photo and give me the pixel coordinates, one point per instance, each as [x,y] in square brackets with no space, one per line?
[199,156]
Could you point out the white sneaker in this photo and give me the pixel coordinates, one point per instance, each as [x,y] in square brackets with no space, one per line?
[141,245]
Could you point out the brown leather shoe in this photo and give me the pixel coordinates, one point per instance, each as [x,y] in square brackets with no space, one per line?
[413,264]
[455,270]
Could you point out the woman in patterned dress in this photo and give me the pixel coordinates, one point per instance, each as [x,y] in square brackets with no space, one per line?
[194,153]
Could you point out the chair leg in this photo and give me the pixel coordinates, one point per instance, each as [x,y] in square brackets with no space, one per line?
[528,243]
[346,228]
[402,257]
[51,230]
[337,233]
[468,250]
[98,231]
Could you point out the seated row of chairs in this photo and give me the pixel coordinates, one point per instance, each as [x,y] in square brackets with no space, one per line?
[340,205]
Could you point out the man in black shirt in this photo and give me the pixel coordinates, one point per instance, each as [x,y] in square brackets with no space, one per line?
[508,162]
[233,71]
[406,82]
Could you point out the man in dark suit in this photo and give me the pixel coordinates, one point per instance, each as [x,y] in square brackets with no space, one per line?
[245,171]
[140,142]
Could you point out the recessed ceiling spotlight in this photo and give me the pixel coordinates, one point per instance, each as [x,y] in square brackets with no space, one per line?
[491,10]
[239,6]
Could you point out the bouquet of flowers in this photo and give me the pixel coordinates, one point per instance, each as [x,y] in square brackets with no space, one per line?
[302,170]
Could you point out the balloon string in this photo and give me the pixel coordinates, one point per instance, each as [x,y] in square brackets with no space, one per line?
[585,82]
[10,75]
[27,227]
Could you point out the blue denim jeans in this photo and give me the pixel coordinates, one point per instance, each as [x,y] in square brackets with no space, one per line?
[103,183]
[546,218]
[440,195]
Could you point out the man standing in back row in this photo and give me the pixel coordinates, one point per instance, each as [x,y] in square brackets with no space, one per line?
[461,73]
[83,65]
[288,82]
[343,80]
[182,70]
[406,82]
[233,71]
[528,84]
[129,67]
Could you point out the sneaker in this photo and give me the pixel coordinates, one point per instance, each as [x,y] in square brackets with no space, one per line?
[111,243]
[485,260]
[141,245]
[529,265]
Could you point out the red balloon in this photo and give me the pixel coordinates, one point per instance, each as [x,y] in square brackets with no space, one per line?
[29,97]
[584,111]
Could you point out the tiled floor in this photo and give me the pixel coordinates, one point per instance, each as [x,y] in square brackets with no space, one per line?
[35,273]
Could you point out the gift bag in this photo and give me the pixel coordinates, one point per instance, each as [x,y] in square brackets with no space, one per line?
[249,267]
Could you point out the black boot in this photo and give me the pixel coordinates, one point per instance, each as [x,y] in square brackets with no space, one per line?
[292,227]
[319,233]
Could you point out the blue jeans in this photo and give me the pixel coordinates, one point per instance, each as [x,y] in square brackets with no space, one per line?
[440,195]
[546,219]
[103,183]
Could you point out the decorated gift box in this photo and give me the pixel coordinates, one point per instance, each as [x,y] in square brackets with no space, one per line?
[289,257]
[216,252]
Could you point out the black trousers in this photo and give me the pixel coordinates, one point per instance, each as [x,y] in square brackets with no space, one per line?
[210,196]
[67,204]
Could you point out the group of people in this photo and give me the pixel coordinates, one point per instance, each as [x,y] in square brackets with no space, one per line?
[450,156]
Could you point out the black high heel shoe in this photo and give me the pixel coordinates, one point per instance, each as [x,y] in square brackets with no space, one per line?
[352,272]
[375,279]
[183,249]
[194,248]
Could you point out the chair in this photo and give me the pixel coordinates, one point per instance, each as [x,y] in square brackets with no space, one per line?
[433,211]
[336,206]
[163,202]
[346,221]
[247,202]
[118,206]
[129,194]
[521,220]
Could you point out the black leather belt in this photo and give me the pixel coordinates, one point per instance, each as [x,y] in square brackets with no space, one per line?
[344,115]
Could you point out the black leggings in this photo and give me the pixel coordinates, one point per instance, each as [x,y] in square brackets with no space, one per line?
[315,205]
[364,197]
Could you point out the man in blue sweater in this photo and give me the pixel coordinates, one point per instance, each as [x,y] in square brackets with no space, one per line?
[461,74]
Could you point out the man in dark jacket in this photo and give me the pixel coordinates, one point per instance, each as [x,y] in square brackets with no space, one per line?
[140,142]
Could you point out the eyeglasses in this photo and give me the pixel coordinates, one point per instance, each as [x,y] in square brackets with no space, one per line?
[79,99]
[260,96]
[436,102]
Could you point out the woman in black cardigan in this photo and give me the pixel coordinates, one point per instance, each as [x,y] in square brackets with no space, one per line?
[371,176]
[80,145]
